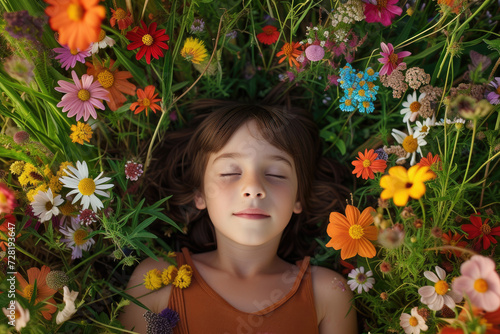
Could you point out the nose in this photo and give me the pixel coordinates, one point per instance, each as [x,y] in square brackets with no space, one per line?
[253,188]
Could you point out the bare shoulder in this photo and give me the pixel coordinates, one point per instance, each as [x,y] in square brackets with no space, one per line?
[333,300]
[155,301]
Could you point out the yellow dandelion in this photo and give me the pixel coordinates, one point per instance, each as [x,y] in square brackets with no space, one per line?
[194,50]
[168,275]
[63,167]
[183,278]
[54,184]
[81,132]
[17,167]
[152,279]
[31,193]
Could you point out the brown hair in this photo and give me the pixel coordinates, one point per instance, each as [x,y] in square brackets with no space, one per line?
[184,155]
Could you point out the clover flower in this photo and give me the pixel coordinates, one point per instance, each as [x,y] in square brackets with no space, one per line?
[315,52]
[198,26]
[133,170]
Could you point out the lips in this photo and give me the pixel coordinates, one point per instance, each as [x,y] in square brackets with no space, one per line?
[252,213]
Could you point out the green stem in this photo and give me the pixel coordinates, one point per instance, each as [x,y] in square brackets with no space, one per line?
[104,250]
[470,152]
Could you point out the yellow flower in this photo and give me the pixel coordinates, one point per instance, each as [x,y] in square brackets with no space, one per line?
[64,166]
[81,132]
[54,184]
[30,175]
[194,50]
[31,193]
[47,172]
[401,184]
[169,274]
[17,167]
[183,278]
[152,279]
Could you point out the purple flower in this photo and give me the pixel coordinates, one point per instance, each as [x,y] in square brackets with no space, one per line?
[162,323]
[381,155]
[22,25]
[133,170]
[82,97]
[87,217]
[68,57]
[198,26]
[494,96]
[315,52]
[232,34]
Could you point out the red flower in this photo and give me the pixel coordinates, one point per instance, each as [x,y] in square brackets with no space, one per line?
[149,40]
[480,229]
[121,17]
[454,240]
[290,51]
[368,163]
[147,100]
[430,161]
[269,35]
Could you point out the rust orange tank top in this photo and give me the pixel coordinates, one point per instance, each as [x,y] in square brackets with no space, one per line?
[203,311]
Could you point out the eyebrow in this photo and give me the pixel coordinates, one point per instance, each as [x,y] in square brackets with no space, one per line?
[239,155]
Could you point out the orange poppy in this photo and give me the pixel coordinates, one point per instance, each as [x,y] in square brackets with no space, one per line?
[78,22]
[114,81]
[146,100]
[366,164]
[351,233]
[290,51]
[42,290]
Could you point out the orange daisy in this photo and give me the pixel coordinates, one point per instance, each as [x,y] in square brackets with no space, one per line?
[449,240]
[147,99]
[114,81]
[78,22]
[43,292]
[290,51]
[366,164]
[430,160]
[351,233]
[121,17]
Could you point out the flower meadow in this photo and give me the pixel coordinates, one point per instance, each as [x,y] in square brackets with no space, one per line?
[406,95]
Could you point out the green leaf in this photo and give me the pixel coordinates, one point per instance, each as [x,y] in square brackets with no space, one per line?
[493,45]
[340,144]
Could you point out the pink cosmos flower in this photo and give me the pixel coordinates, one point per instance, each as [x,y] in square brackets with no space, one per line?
[480,282]
[82,97]
[494,96]
[382,11]
[68,57]
[390,59]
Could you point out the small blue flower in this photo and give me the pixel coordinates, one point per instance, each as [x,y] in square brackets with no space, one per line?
[347,104]
[366,107]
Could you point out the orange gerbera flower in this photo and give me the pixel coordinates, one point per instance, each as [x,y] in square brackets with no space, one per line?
[121,17]
[351,233]
[114,81]
[147,99]
[290,51]
[42,293]
[366,164]
[78,22]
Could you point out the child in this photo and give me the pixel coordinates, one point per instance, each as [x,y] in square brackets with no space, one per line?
[253,174]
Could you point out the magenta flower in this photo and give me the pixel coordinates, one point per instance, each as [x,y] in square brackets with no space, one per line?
[494,96]
[390,59]
[480,282]
[382,11]
[68,57]
[82,97]
[315,52]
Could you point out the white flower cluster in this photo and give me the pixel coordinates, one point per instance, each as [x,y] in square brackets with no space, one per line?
[350,12]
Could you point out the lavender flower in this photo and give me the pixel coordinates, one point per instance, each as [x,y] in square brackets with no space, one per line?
[22,25]
[163,323]
[68,57]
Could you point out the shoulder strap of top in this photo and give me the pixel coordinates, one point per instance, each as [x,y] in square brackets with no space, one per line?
[176,301]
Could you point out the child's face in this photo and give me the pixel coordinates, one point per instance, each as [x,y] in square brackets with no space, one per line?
[245,174]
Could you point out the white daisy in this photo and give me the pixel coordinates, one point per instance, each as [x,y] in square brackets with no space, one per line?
[84,187]
[104,41]
[414,323]
[412,107]
[360,280]
[20,315]
[410,143]
[76,240]
[45,205]
[422,128]
[438,295]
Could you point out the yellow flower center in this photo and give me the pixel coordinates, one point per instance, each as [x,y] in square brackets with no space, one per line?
[28,291]
[73,51]
[79,236]
[120,14]
[415,106]
[106,78]
[3,198]
[480,285]
[413,321]
[366,104]
[425,128]
[361,92]
[362,83]
[83,94]
[67,209]
[356,231]
[75,12]
[102,34]
[86,186]
[498,90]
[486,229]
[367,163]
[441,287]
[410,144]
[370,71]
[287,49]
[146,102]
[48,206]
[393,58]
[348,102]
[147,39]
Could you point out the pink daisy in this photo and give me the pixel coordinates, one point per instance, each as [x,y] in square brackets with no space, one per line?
[68,57]
[382,11]
[480,282]
[82,97]
[390,59]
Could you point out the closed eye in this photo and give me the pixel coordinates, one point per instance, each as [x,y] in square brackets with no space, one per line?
[278,176]
[230,174]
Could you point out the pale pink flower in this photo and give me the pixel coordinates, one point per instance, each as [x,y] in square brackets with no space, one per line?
[480,282]
[412,323]
[82,97]
[390,59]
[382,11]
[439,294]
[68,57]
